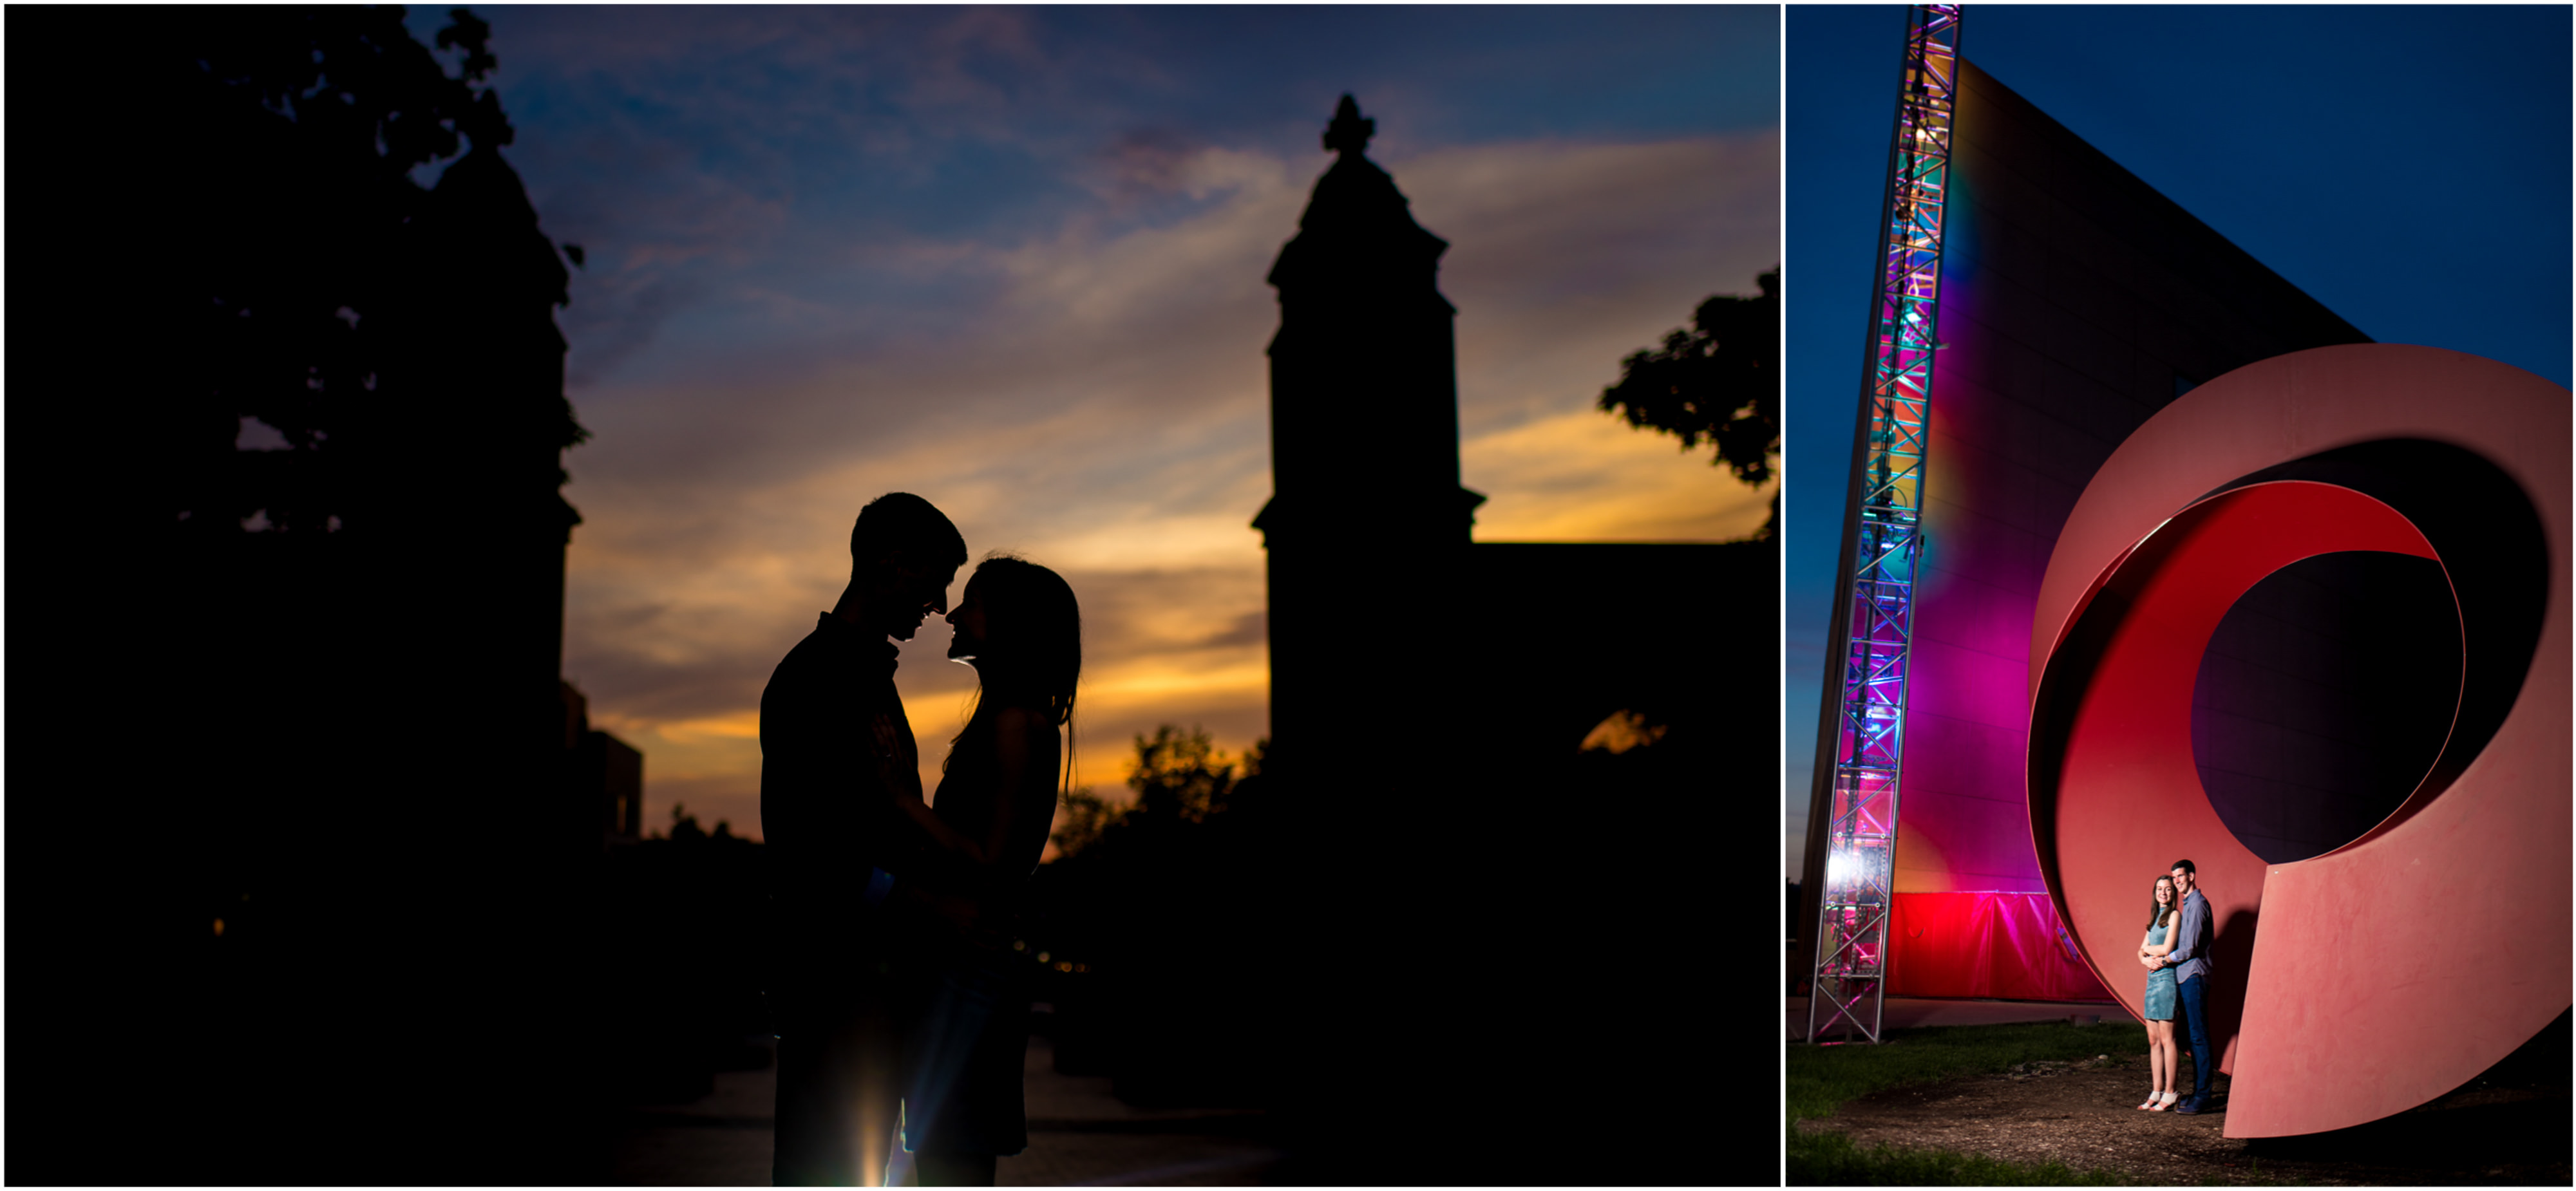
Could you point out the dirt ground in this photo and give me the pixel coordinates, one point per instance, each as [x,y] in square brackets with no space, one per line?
[2496,1131]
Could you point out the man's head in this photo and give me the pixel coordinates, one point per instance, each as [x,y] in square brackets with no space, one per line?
[903,555]
[2184,877]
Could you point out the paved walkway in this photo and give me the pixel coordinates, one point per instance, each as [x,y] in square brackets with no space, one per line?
[1079,1136]
[1903,1012]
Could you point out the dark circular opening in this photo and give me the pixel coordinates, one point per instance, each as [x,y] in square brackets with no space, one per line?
[2324,698]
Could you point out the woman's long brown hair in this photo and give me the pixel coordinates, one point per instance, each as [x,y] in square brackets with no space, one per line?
[2162,908]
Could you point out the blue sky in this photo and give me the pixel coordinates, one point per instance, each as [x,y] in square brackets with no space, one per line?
[2407,166]
[1012,260]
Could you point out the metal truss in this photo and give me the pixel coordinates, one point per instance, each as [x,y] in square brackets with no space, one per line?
[1850,974]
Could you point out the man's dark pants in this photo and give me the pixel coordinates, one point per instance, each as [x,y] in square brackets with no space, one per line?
[2195,1014]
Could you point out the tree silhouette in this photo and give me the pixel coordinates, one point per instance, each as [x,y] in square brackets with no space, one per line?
[685,829]
[1180,778]
[298,406]
[312,248]
[1719,381]
[1148,915]
[1086,816]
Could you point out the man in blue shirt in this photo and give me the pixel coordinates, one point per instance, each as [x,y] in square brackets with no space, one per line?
[2190,961]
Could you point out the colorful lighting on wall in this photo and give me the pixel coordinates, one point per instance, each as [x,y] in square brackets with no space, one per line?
[1883,542]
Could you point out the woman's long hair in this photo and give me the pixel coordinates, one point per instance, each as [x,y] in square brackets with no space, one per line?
[2162,908]
[1033,642]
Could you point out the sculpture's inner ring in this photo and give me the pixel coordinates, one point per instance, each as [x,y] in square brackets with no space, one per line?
[2324,697]
[2133,659]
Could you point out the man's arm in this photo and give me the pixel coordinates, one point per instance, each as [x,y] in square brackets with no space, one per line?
[921,848]
[885,822]
[915,844]
[2195,920]
[1023,807]
[2153,954]
[840,783]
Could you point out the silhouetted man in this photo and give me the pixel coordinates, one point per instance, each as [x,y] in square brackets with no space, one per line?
[840,810]
[2190,961]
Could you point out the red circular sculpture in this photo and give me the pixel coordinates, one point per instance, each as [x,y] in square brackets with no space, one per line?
[2397,967]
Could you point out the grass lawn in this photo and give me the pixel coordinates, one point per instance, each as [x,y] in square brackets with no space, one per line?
[1821,1078]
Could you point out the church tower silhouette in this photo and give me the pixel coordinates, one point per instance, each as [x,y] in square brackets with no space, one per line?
[1363,425]
[1363,371]
[1504,767]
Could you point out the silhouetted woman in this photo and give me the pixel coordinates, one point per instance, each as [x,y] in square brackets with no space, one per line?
[1021,629]
[2159,1009]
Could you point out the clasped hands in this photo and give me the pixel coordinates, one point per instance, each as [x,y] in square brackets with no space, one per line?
[2152,962]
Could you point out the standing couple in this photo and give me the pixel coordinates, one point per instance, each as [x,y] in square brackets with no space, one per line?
[892,976]
[2175,953]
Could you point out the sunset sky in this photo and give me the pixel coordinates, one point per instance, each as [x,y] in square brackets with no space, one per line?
[1012,260]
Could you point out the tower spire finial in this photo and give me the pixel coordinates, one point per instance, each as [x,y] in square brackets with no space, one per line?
[1348,133]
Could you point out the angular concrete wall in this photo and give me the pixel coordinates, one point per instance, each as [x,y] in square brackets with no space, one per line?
[2076,303]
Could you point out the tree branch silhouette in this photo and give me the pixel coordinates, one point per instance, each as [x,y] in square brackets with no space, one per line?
[1718,382]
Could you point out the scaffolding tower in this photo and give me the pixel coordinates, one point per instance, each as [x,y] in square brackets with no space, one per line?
[1882,541]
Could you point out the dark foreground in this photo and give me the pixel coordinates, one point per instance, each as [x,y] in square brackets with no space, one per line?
[2509,1128]
[1079,1136]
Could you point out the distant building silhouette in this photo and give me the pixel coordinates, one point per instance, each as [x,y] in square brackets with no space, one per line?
[1431,701]
[603,774]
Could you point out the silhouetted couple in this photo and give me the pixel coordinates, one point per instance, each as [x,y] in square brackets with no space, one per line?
[894,983]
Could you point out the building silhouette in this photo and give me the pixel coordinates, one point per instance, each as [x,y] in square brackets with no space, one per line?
[1368,517]
[1488,870]
[603,774]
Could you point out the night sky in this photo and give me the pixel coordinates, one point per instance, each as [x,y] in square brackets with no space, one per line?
[1012,260]
[2408,167]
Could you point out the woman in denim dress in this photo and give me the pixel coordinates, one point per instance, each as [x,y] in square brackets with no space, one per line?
[2161,1054]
